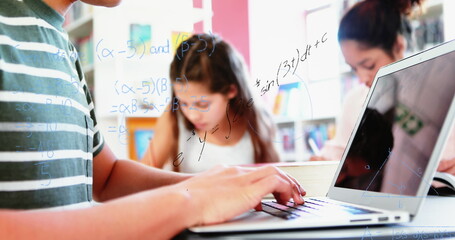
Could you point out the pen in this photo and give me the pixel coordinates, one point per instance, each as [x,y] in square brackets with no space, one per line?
[314,147]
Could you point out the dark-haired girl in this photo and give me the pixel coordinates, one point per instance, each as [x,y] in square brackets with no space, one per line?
[213,117]
[372,34]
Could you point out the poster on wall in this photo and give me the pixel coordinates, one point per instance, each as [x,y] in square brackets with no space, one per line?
[178,38]
[140,37]
[142,139]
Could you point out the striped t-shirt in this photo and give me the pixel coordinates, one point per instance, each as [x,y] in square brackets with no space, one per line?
[48,133]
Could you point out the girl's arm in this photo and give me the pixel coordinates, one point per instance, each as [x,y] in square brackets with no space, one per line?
[163,143]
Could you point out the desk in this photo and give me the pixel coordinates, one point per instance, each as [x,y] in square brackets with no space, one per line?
[436,220]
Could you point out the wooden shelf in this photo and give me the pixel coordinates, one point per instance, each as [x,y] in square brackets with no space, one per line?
[81,27]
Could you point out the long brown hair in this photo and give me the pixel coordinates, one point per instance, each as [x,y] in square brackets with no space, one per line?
[209,60]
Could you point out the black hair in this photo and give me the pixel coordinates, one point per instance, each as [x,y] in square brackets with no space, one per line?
[377,23]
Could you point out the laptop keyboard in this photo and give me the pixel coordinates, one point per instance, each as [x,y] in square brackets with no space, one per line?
[311,208]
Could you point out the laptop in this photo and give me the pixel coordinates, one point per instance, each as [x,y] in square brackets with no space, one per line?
[391,157]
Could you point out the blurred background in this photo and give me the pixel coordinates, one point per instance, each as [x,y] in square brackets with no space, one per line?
[126,52]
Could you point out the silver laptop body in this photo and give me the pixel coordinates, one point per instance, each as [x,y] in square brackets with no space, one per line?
[391,157]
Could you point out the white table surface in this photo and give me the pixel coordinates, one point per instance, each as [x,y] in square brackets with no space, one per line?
[436,220]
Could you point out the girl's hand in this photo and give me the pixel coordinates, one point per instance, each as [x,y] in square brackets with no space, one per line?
[447,166]
[318,158]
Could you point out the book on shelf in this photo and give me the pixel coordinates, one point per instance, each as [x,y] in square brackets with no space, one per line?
[77,11]
[286,136]
[287,101]
[314,176]
[85,50]
[318,134]
[279,99]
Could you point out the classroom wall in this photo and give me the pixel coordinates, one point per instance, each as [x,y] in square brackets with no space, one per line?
[449,30]
[266,32]
[230,20]
[115,73]
[256,28]
[277,30]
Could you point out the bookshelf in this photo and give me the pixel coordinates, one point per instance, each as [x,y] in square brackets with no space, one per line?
[294,131]
[79,26]
[294,134]
[85,23]
[307,102]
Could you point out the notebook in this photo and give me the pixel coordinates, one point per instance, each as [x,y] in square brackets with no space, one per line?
[391,158]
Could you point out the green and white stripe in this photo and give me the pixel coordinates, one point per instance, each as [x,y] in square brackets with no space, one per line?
[48,132]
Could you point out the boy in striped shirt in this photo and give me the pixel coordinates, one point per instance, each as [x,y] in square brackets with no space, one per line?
[53,159]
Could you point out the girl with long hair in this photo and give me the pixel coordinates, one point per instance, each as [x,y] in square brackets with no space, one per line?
[213,117]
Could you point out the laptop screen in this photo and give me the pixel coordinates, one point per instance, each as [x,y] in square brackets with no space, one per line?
[399,128]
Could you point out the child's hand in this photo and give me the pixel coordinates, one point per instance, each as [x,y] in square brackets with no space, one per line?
[225,192]
[447,166]
[318,158]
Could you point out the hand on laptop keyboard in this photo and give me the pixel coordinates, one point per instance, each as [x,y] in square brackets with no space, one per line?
[225,192]
[311,208]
